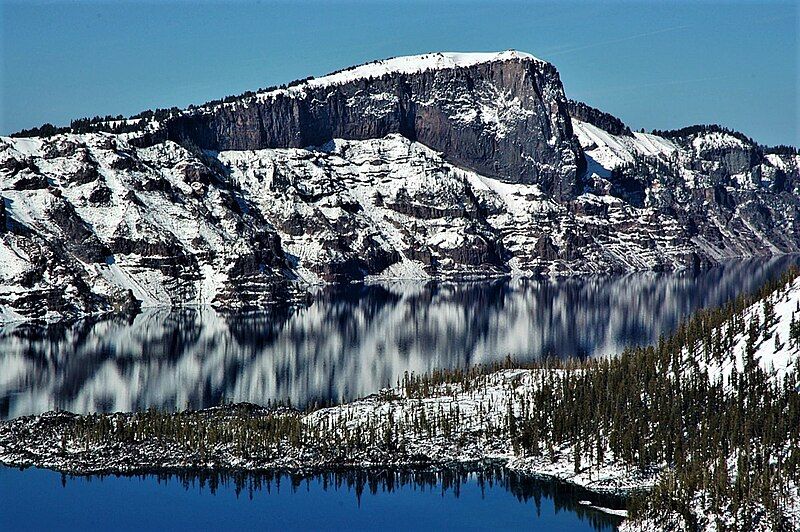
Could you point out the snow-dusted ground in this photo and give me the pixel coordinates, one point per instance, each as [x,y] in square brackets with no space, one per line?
[479,410]
[778,359]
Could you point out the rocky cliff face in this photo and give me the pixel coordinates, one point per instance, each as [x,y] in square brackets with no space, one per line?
[728,195]
[606,122]
[503,116]
[93,224]
[444,165]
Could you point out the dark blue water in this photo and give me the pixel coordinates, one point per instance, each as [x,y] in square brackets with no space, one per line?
[37,499]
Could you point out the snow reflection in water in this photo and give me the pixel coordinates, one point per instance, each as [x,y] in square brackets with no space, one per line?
[352,340]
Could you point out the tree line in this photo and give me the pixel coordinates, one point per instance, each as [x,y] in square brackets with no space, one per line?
[728,441]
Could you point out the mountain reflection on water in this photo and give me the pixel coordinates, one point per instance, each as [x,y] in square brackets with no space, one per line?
[384,499]
[352,339]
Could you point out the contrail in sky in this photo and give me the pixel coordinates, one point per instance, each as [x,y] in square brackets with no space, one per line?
[638,86]
[647,34]
[621,39]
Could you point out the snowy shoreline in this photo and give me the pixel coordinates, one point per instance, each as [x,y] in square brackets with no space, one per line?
[37,441]
[627,425]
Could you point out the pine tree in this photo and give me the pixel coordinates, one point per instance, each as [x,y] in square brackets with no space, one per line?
[769,316]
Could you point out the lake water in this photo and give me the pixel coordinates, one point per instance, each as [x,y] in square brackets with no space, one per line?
[37,499]
[350,341]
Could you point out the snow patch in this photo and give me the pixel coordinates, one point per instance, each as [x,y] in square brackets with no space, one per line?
[402,65]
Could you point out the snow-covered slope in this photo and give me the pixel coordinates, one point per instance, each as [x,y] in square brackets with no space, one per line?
[767,343]
[705,159]
[91,224]
[606,152]
[170,225]
[736,198]
[410,64]
[441,165]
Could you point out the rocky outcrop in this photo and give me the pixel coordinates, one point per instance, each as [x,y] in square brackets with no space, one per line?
[3,221]
[607,122]
[728,196]
[505,117]
[123,234]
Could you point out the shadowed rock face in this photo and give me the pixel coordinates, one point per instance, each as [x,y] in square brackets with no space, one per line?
[504,119]
[604,121]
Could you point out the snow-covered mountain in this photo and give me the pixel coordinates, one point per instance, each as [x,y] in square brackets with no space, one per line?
[440,165]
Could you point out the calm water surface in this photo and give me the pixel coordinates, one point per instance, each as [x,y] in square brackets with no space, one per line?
[44,500]
[351,340]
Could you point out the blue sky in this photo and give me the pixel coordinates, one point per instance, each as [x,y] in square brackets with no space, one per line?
[653,64]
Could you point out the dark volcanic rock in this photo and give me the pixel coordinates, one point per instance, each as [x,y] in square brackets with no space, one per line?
[505,119]
[3,222]
[605,121]
[75,233]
